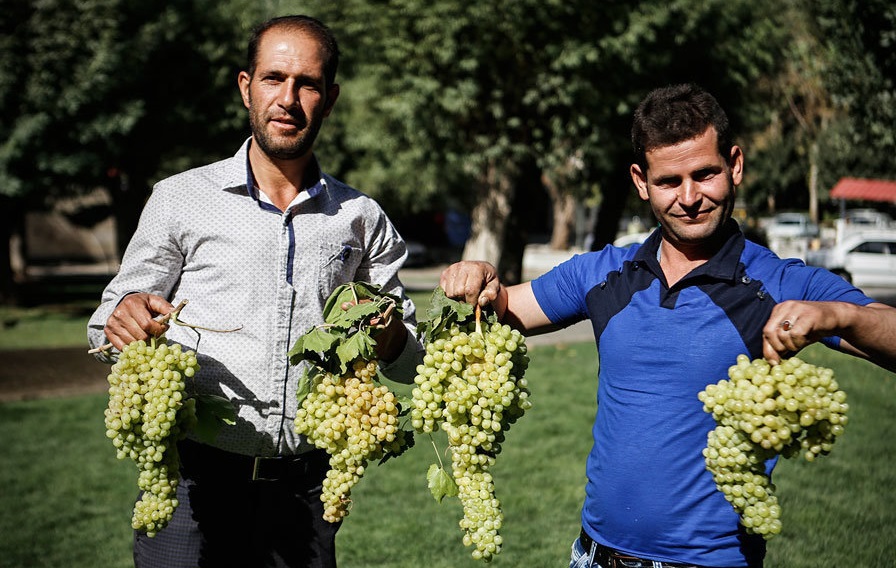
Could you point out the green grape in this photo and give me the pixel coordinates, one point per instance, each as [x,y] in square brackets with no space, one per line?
[147,413]
[355,420]
[762,411]
[471,386]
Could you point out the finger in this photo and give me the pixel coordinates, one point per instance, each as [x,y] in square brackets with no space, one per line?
[473,287]
[769,353]
[448,282]
[490,293]
[158,306]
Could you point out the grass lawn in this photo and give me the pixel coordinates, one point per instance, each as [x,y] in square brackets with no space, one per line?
[45,327]
[67,500]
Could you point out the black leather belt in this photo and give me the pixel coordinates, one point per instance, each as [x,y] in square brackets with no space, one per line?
[609,558]
[203,461]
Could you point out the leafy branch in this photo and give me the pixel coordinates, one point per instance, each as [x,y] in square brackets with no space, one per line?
[353,315]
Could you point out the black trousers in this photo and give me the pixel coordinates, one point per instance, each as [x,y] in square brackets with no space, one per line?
[226,519]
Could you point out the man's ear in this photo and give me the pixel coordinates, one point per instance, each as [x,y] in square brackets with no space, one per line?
[736,164]
[332,95]
[640,179]
[243,80]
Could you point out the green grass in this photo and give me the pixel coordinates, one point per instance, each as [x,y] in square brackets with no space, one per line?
[67,500]
[45,327]
[65,325]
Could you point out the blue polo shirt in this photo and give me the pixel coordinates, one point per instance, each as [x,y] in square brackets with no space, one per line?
[648,491]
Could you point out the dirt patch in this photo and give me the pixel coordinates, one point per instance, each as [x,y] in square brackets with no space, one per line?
[29,374]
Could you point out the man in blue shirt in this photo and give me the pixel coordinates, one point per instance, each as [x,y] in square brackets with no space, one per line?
[669,317]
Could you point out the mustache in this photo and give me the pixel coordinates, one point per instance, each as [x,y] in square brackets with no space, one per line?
[298,118]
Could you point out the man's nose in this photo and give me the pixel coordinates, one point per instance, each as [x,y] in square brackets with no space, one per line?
[288,94]
[689,193]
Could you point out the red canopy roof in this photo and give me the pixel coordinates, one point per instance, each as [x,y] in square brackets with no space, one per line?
[865,190]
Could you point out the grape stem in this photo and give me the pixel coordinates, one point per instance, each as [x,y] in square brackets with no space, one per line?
[436,450]
[478,319]
[162,318]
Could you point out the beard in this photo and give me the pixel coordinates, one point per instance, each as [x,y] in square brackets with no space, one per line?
[284,147]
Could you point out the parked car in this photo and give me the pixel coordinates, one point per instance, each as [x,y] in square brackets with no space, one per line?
[864,259]
[867,219]
[791,226]
[630,239]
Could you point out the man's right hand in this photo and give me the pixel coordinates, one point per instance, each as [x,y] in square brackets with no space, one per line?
[475,282]
[133,319]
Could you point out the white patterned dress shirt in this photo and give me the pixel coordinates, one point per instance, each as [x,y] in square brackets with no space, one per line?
[206,237]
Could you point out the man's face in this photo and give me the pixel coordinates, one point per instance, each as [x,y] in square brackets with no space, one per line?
[690,187]
[287,96]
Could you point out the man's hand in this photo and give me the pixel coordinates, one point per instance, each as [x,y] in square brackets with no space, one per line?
[391,334]
[133,319]
[475,282]
[865,331]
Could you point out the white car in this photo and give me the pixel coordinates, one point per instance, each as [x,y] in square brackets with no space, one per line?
[865,259]
[791,226]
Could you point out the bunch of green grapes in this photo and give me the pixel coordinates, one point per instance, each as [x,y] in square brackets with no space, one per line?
[148,412]
[765,410]
[355,420]
[471,386]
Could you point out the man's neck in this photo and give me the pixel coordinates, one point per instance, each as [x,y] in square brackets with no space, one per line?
[281,180]
[677,260]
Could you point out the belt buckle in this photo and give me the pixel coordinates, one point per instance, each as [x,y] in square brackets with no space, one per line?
[257,473]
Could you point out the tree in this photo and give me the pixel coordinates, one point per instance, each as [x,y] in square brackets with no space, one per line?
[477,100]
[117,94]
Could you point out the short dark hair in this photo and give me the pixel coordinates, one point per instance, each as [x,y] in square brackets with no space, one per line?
[676,113]
[300,24]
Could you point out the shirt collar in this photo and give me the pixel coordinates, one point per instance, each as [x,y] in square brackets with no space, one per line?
[305,194]
[722,266]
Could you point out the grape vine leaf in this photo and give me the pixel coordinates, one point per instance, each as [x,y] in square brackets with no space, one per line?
[316,340]
[212,413]
[306,383]
[442,313]
[441,484]
[409,442]
[359,345]
[346,319]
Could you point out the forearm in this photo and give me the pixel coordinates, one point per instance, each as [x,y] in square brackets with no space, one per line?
[869,332]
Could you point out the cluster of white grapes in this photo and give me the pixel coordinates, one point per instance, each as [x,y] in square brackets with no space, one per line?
[471,386]
[148,412]
[355,420]
[762,411]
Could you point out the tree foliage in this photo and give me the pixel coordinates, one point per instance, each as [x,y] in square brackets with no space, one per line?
[479,106]
[116,93]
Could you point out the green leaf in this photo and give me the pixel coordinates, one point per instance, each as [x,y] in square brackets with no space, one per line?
[306,383]
[409,442]
[441,484]
[342,294]
[315,345]
[359,345]
[355,315]
[443,312]
[212,413]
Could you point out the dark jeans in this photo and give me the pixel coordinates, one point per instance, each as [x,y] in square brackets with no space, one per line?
[225,519]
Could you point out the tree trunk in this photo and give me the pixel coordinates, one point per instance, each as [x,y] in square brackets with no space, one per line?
[11,215]
[128,198]
[614,195]
[563,208]
[490,216]
[813,181]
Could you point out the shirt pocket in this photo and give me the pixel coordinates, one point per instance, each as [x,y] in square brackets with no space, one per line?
[338,264]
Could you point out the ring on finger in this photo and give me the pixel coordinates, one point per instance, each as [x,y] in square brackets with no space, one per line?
[786,325]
